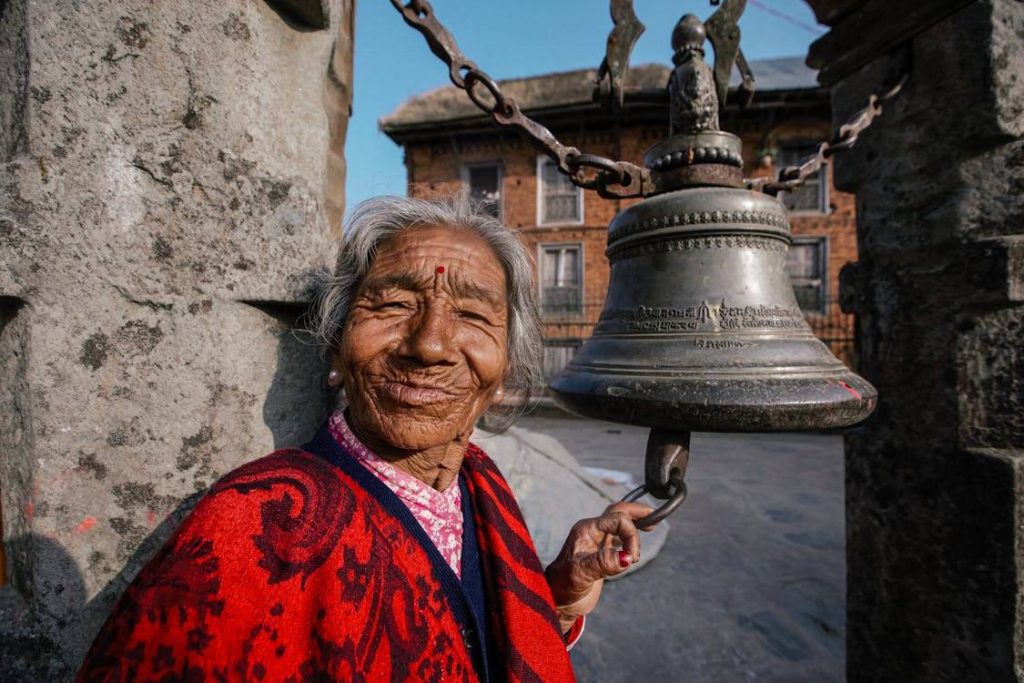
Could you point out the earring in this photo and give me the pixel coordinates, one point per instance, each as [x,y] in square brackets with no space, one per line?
[333,378]
[498,393]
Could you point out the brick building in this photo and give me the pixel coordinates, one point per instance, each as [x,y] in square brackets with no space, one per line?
[449,146]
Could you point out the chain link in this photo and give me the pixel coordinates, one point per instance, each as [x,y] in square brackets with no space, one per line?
[610,178]
[793,177]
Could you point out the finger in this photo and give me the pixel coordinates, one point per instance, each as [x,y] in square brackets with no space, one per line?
[603,564]
[634,510]
[620,524]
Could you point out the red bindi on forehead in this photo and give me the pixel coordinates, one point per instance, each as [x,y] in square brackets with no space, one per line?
[440,269]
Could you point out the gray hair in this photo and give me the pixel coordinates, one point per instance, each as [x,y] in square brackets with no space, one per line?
[375,220]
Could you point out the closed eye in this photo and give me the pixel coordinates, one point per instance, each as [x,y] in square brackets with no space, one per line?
[392,305]
[473,315]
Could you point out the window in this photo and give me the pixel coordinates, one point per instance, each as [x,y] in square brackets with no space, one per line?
[813,196]
[484,182]
[808,271]
[561,279]
[557,354]
[558,200]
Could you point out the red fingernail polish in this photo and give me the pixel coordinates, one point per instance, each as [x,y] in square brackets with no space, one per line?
[624,558]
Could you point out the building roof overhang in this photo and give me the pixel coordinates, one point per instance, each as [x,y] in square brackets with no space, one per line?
[565,99]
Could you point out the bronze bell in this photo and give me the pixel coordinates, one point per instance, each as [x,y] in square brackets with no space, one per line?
[700,329]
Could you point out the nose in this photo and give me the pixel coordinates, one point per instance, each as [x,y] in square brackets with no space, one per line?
[429,338]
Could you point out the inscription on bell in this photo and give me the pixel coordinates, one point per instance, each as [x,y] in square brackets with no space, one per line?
[702,317]
[742,317]
[720,344]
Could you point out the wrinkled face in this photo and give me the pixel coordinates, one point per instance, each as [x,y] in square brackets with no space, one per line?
[424,347]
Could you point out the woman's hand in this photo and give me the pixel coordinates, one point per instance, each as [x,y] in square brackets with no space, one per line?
[595,549]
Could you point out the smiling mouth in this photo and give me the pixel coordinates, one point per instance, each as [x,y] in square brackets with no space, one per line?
[415,394]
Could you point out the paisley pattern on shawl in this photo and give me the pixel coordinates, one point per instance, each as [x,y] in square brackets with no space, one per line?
[289,570]
[295,541]
[278,569]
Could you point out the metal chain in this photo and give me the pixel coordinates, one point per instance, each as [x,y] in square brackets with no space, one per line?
[610,178]
[793,177]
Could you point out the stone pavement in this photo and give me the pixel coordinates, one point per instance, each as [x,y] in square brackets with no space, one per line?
[750,584]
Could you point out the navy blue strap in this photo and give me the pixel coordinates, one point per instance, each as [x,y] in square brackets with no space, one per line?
[473,582]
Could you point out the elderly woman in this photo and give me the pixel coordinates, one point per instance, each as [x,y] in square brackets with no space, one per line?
[389,547]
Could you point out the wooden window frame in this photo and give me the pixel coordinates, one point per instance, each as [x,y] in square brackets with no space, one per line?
[542,161]
[822,243]
[824,182]
[541,250]
[558,342]
[500,167]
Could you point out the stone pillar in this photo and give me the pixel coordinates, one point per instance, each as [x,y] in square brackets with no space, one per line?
[169,173]
[935,479]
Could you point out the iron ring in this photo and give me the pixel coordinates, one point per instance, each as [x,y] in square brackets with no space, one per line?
[666,509]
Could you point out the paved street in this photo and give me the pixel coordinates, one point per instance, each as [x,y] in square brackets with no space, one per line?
[751,582]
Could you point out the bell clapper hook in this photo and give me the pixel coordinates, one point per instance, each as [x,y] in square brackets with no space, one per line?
[668,453]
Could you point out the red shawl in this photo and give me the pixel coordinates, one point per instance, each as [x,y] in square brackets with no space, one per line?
[290,570]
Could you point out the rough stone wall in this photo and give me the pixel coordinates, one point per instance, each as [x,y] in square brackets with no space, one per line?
[169,174]
[935,479]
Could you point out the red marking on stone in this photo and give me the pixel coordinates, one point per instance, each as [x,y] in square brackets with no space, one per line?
[440,269]
[30,510]
[85,524]
[150,517]
[856,394]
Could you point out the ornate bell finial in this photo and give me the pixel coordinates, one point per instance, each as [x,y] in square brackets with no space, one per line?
[694,102]
[688,35]
[696,153]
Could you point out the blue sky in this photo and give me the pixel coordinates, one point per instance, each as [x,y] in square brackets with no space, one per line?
[518,38]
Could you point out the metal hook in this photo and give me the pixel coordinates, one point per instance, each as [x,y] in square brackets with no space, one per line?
[668,453]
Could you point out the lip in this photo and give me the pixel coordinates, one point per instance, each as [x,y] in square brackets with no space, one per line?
[415,394]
